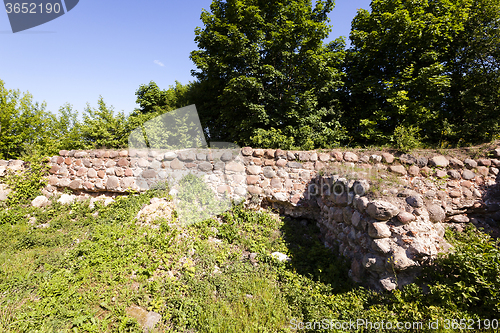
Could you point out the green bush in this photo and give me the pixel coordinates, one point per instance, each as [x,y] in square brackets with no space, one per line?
[197,202]
[407,138]
[468,277]
[27,184]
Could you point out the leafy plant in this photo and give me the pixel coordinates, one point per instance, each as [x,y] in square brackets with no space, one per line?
[407,138]
[468,276]
[197,202]
[27,183]
[267,62]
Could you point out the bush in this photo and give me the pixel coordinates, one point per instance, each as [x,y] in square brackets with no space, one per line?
[406,138]
[469,277]
[197,202]
[28,183]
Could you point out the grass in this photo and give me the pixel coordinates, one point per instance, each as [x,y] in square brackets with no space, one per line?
[81,272]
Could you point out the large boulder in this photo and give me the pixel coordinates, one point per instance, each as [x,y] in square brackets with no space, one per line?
[436,213]
[439,161]
[382,210]
[40,201]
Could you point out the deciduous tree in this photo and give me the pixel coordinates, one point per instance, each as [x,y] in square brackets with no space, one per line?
[265,76]
[428,64]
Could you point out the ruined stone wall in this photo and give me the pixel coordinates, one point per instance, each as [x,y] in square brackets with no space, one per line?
[388,214]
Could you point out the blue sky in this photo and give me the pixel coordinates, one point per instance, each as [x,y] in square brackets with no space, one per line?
[110,48]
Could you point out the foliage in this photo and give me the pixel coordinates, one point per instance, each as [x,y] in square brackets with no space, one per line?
[197,202]
[266,63]
[406,138]
[66,133]
[422,64]
[27,183]
[102,129]
[27,129]
[23,123]
[272,138]
[153,100]
[178,129]
[468,278]
[475,91]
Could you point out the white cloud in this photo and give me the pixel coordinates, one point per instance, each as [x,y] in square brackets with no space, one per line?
[159,63]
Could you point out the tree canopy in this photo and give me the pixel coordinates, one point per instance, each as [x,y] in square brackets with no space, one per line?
[152,99]
[24,124]
[265,75]
[427,64]
[418,72]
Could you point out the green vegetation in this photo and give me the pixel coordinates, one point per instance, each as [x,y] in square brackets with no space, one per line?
[27,184]
[28,130]
[430,65]
[77,268]
[197,202]
[417,74]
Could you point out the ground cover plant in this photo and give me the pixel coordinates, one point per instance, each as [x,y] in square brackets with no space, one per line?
[76,268]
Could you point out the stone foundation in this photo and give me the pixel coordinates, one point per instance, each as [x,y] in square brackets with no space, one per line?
[389,228]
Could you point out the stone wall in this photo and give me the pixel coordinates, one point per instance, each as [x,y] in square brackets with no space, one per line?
[388,214]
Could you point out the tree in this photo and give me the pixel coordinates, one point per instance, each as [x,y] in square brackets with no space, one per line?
[412,64]
[474,99]
[264,74]
[151,99]
[23,123]
[66,132]
[102,129]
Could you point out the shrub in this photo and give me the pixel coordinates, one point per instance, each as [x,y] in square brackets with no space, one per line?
[406,138]
[27,184]
[469,276]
